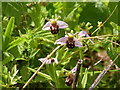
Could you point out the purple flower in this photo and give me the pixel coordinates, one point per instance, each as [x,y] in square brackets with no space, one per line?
[54,25]
[49,61]
[70,78]
[84,33]
[74,69]
[69,40]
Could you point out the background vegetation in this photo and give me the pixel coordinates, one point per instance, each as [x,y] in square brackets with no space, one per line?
[24,42]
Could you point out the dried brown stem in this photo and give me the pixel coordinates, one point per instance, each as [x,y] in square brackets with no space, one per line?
[105,20]
[42,65]
[102,74]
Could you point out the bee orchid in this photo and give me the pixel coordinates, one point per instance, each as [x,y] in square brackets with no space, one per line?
[69,40]
[84,33]
[49,61]
[54,25]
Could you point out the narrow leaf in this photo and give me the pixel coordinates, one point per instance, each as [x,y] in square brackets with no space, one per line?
[16,42]
[41,74]
[84,80]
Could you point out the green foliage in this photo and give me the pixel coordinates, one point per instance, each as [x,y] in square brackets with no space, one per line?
[9,78]
[24,42]
[84,80]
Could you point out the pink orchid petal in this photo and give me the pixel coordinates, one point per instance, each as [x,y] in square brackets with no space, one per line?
[62,24]
[42,59]
[61,41]
[48,61]
[47,26]
[90,39]
[82,33]
[56,61]
[74,69]
[77,43]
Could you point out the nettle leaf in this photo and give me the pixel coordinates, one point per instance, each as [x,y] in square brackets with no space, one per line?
[84,80]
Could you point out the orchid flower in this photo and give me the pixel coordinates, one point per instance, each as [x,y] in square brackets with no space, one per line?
[69,40]
[54,25]
[70,78]
[84,33]
[49,61]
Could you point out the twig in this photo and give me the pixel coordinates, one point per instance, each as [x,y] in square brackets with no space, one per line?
[97,62]
[42,65]
[105,20]
[96,37]
[102,74]
[110,41]
[77,74]
[52,85]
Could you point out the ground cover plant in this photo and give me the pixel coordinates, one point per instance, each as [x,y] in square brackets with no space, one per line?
[60,45]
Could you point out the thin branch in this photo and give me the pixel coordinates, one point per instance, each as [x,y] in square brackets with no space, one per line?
[96,37]
[102,74]
[42,65]
[52,85]
[97,62]
[110,41]
[105,20]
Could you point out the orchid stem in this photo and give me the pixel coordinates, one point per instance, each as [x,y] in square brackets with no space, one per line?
[77,74]
[41,65]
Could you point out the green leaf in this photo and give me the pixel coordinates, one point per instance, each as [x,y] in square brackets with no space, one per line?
[38,14]
[115,28]
[84,80]
[25,73]
[9,28]
[8,32]
[9,57]
[16,9]
[112,53]
[47,77]
[16,42]
[34,52]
